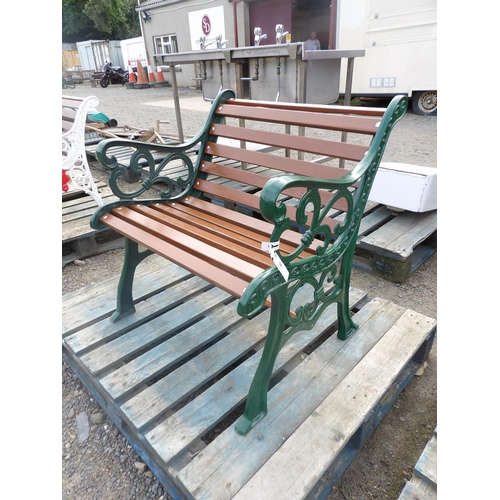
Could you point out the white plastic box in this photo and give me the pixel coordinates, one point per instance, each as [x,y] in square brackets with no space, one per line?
[405,187]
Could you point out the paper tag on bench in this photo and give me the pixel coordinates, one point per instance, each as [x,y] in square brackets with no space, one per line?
[272,247]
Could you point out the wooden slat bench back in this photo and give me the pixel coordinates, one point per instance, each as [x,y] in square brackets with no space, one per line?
[214,219]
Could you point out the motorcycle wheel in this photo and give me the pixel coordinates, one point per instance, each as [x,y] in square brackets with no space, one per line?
[104,82]
[126,78]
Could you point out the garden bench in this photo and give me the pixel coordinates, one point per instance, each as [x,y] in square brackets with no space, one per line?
[256,223]
[76,173]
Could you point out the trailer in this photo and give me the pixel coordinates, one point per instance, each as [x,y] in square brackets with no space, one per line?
[400,42]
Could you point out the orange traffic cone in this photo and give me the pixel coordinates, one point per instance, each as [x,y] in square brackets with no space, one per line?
[131,76]
[151,74]
[160,74]
[141,77]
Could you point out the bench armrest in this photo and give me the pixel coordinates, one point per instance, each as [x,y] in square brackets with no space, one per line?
[324,271]
[142,157]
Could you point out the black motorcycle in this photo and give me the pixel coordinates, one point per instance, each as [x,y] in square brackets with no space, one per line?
[113,75]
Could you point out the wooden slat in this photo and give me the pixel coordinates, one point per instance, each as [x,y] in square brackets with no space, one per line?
[232,245]
[356,110]
[234,285]
[281,163]
[259,226]
[71,100]
[188,245]
[352,124]
[222,226]
[259,180]
[307,144]
[248,200]
[196,304]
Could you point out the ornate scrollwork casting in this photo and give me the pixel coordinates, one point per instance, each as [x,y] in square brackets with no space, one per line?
[74,157]
[168,188]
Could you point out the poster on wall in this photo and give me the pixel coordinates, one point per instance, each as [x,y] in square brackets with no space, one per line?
[205,26]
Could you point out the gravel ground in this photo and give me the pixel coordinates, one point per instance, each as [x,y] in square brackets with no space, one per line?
[105,467]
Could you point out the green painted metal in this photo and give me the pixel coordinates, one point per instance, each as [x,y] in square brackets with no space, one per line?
[125,301]
[326,274]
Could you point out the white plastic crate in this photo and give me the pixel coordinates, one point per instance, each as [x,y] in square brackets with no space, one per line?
[405,187]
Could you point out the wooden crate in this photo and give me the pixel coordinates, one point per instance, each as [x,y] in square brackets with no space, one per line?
[173,378]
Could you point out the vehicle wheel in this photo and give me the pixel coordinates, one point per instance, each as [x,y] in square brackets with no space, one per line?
[126,77]
[425,103]
[104,82]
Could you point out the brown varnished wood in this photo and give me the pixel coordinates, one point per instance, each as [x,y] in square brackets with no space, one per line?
[190,245]
[249,200]
[281,163]
[346,123]
[230,244]
[212,273]
[261,227]
[259,180]
[366,111]
[322,147]
[222,227]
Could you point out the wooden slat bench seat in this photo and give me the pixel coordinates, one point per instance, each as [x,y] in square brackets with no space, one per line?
[203,225]
[76,174]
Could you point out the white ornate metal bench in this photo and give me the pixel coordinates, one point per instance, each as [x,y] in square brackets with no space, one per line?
[76,173]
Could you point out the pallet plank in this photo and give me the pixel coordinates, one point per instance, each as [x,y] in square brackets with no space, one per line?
[143,368]
[402,234]
[129,343]
[426,467]
[81,310]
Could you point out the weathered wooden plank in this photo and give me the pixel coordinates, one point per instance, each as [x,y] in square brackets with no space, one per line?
[295,468]
[402,234]
[158,359]
[176,433]
[426,467]
[96,302]
[231,460]
[156,399]
[414,490]
[102,331]
[154,330]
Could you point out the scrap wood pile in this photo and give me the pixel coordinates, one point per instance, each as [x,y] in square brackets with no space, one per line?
[99,131]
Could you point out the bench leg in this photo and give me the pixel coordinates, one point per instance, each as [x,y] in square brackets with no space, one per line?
[125,301]
[346,325]
[256,405]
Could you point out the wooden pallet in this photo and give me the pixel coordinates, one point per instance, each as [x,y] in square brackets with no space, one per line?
[423,484]
[173,378]
[79,240]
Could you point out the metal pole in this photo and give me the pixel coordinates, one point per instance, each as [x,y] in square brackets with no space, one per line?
[178,118]
[347,98]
